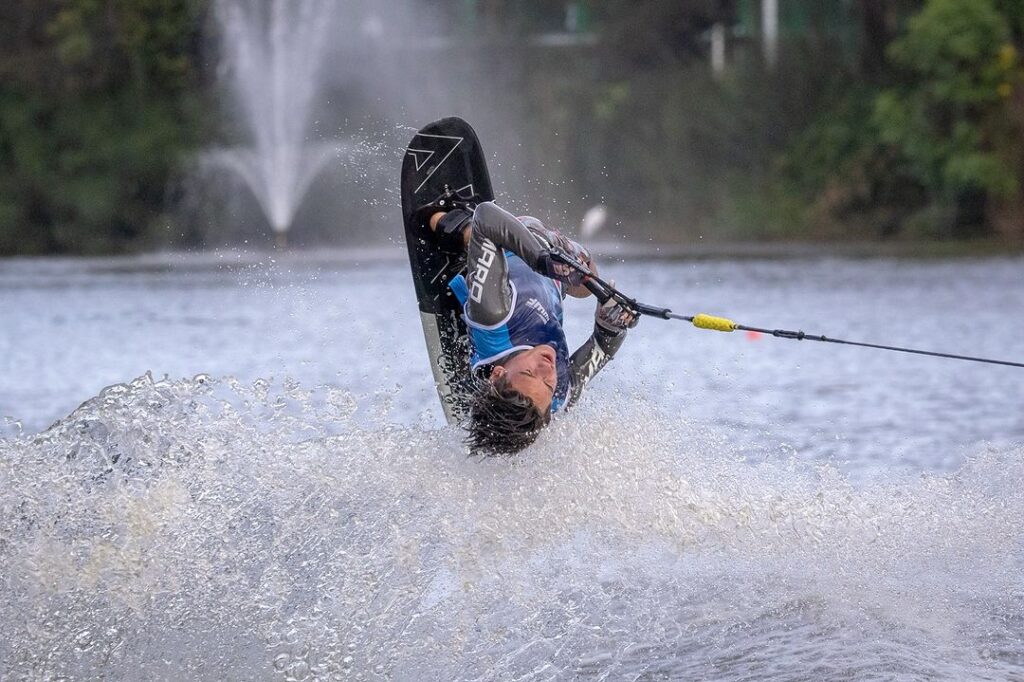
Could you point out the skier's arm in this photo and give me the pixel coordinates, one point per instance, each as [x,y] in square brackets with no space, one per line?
[534,246]
[487,234]
[490,296]
[588,360]
[610,327]
[492,230]
[495,223]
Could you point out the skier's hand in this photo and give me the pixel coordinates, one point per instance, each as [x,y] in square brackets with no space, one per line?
[613,317]
[549,266]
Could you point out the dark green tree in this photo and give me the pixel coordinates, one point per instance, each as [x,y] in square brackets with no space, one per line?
[97,104]
[949,119]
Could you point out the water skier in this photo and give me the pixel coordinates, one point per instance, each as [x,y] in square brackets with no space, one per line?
[512,295]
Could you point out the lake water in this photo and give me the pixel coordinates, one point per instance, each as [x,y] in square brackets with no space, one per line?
[279,498]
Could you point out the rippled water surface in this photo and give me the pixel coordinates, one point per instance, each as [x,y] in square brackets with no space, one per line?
[287,503]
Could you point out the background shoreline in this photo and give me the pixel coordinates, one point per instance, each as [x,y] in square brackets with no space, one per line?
[622,251]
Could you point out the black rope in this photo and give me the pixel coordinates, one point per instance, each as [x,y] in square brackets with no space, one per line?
[800,336]
[604,291]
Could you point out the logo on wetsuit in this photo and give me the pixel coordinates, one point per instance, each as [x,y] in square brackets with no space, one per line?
[536,307]
[482,270]
[593,364]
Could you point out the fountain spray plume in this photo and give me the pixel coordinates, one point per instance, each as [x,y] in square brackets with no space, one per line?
[274,52]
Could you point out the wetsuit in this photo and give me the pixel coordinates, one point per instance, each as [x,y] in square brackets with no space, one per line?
[509,307]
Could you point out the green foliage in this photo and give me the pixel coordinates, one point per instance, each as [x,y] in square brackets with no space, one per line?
[833,144]
[90,134]
[945,119]
[100,99]
[686,153]
[934,150]
[1013,10]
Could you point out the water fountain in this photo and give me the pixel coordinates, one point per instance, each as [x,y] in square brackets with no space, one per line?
[273,57]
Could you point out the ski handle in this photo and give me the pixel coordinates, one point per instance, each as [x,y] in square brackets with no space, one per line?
[605,291]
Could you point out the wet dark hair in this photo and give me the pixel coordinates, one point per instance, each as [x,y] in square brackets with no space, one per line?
[502,421]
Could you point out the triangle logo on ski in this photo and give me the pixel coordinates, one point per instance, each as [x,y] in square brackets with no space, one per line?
[426,146]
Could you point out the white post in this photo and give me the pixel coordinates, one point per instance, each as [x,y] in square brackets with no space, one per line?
[718,49]
[770,31]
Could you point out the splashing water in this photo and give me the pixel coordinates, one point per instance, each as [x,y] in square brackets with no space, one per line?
[275,52]
[205,529]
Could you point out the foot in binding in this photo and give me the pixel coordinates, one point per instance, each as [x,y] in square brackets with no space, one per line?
[449,232]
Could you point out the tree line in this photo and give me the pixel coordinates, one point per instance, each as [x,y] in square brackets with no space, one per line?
[904,120]
[99,101]
[882,119]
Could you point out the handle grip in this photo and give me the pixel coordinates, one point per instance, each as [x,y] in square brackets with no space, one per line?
[652,311]
[604,291]
[597,290]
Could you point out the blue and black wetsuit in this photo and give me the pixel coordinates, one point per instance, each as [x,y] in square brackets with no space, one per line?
[508,307]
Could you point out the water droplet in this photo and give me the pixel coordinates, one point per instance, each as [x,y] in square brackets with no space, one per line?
[83,640]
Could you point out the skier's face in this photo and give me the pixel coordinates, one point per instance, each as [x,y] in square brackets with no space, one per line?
[531,373]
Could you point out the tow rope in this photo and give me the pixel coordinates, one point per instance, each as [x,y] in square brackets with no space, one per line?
[605,291]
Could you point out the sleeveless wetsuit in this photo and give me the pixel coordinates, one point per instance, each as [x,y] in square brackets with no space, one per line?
[509,307]
[534,318]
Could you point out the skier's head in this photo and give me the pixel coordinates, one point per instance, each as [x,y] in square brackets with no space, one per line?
[514,404]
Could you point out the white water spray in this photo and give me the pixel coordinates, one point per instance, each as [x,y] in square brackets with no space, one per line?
[207,529]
